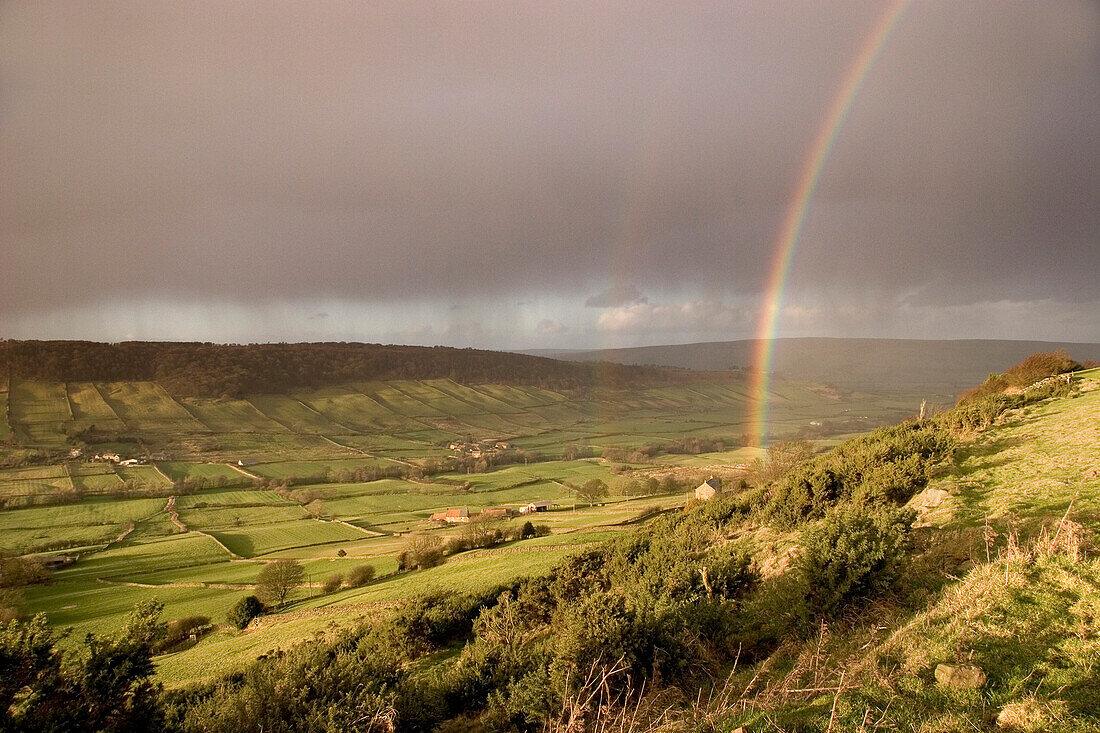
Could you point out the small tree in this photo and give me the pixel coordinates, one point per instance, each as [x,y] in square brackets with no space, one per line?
[591,491]
[421,551]
[360,575]
[332,583]
[13,605]
[277,579]
[143,623]
[243,611]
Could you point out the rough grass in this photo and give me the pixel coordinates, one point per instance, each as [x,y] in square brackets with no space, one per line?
[1032,464]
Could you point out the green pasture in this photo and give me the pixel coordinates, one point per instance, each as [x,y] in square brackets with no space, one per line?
[89,408]
[471,571]
[87,512]
[386,444]
[131,559]
[294,414]
[27,473]
[276,447]
[237,516]
[90,606]
[97,483]
[308,469]
[480,400]
[143,475]
[518,397]
[146,406]
[38,402]
[396,400]
[230,498]
[263,540]
[380,550]
[177,470]
[34,481]
[231,416]
[353,411]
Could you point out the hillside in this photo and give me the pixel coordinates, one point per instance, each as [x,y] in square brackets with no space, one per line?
[942,369]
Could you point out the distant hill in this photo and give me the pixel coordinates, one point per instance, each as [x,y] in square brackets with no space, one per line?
[940,368]
[214,370]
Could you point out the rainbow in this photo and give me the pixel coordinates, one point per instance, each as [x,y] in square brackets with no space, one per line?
[799,206]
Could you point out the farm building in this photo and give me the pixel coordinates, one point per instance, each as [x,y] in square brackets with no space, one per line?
[537,506]
[708,489]
[498,513]
[453,516]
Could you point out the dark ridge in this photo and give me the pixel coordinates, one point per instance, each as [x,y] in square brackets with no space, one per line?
[942,367]
[215,370]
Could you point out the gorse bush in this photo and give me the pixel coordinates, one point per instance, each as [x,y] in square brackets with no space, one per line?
[855,553]
[885,467]
[243,611]
[102,684]
[1032,369]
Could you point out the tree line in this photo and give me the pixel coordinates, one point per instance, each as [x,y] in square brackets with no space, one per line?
[233,370]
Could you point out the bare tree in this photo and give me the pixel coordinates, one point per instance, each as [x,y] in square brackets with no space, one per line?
[277,579]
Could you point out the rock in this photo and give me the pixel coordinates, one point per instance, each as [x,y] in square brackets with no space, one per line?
[960,676]
[925,505]
[1025,715]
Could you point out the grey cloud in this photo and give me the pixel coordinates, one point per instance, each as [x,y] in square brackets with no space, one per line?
[487,154]
[615,296]
[693,317]
[550,327]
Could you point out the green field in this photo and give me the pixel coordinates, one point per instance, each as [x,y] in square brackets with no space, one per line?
[309,469]
[143,475]
[146,406]
[177,470]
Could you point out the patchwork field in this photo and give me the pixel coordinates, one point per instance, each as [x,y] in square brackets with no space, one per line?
[193,528]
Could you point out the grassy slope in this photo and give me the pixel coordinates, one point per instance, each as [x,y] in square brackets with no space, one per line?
[1030,618]
[1035,461]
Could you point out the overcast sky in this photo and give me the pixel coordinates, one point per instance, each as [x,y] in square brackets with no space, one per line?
[543,175]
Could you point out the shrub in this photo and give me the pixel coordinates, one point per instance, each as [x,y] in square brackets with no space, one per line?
[855,553]
[179,630]
[13,606]
[360,575]
[332,583]
[243,611]
[421,551]
[1040,366]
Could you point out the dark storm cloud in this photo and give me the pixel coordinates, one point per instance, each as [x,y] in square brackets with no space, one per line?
[474,152]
